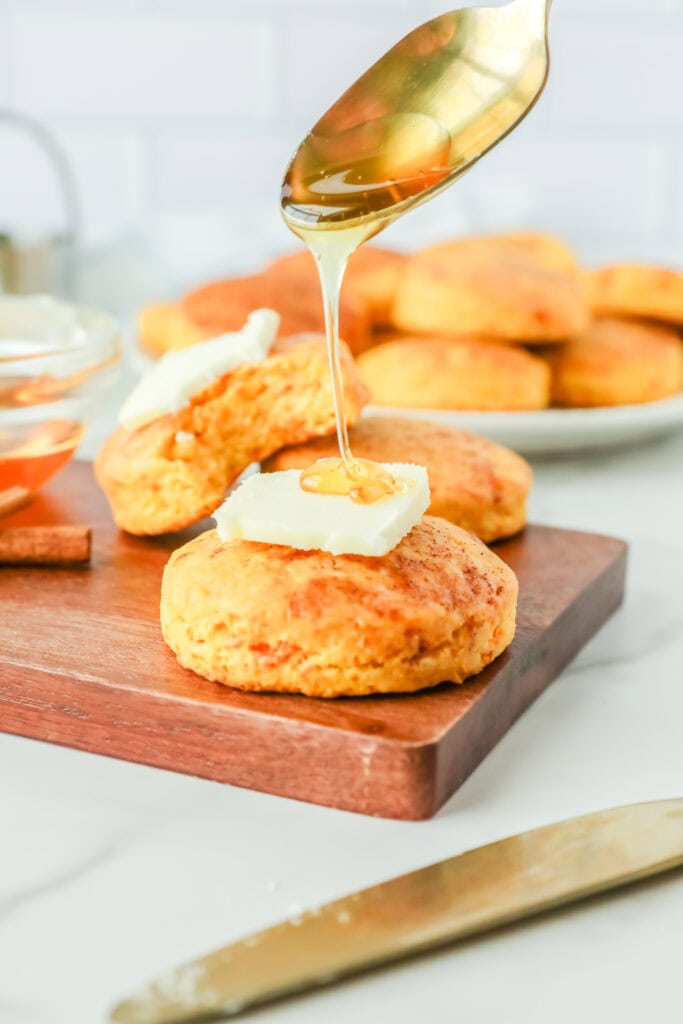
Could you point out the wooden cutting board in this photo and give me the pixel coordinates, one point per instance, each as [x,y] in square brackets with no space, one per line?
[82,663]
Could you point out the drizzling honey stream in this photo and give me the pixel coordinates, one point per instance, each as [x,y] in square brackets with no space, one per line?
[415,121]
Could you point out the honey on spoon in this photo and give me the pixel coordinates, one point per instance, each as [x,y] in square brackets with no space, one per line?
[405,130]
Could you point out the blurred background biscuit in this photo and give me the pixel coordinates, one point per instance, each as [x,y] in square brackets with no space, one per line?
[372,273]
[512,288]
[630,289]
[617,362]
[437,373]
[165,328]
[224,306]
[543,250]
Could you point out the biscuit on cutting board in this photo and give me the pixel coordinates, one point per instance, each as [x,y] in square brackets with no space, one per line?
[438,607]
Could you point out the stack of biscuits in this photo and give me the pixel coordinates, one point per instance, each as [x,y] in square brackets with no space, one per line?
[505,322]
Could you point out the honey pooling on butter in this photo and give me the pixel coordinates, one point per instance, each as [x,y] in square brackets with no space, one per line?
[362,480]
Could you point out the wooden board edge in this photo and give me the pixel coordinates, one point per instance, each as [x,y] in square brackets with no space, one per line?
[463,748]
[373,775]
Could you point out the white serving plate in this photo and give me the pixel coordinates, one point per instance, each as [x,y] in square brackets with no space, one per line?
[550,431]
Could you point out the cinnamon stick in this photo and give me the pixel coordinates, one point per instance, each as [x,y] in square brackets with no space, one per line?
[12,499]
[45,545]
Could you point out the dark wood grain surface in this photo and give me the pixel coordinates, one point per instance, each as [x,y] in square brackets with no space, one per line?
[82,663]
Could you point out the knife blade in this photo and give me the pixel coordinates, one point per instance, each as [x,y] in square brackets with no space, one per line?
[465,895]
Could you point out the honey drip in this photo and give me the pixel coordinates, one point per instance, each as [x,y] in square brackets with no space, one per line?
[362,480]
[336,197]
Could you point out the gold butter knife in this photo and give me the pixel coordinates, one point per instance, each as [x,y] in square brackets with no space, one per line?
[472,893]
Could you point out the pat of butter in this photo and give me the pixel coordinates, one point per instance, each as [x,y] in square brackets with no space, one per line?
[273,508]
[177,376]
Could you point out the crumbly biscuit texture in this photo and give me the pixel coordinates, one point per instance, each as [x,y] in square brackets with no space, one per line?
[476,484]
[438,373]
[175,470]
[439,607]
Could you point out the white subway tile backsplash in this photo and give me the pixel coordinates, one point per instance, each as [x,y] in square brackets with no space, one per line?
[4,55]
[110,172]
[324,55]
[145,66]
[627,73]
[181,115]
[220,168]
[588,189]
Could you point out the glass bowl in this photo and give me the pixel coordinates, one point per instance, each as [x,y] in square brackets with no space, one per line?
[57,361]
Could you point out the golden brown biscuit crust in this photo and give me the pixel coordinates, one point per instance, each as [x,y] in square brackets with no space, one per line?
[509,289]
[630,289]
[439,607]
[436,373]
[617,362]
[175,470]
[476,484]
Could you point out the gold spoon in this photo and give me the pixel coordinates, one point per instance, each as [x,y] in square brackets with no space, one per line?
[419,117]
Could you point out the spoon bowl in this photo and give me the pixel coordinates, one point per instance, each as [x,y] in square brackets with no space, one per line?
[421,116]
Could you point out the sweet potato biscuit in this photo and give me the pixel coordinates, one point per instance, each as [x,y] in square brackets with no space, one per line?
[639,291]
[474,483]
[440,374]
[225,305]
[510,289]
[543,250]
[166,328]
[439,606]
[175,470]
[617,362]
[372,273]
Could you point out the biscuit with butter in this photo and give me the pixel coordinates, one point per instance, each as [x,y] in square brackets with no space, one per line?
[174,470]
[511,288]
[436,373]
[476,484]
[438,607]
[617,362]
[634,290]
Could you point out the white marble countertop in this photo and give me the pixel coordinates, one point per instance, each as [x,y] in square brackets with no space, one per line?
[111,872]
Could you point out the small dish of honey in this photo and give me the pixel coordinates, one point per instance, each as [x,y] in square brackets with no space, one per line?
[57,360]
